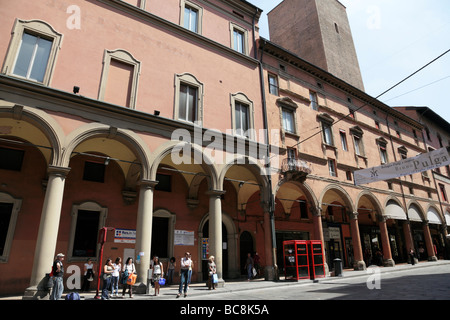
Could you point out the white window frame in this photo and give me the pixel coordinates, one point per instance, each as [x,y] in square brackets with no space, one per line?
[314,100]
[332,168]
[273,84]
[244,100]
[17,204]
[344,142]
[188,4]
[235,28]
[37,28]
[189,80]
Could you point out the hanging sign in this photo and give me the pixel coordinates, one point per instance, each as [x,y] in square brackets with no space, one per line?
[423,162]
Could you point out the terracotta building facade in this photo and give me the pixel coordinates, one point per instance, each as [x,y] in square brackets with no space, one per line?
[175,124]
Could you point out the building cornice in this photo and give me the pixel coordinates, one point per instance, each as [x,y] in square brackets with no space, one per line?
[129,9]
[291,58]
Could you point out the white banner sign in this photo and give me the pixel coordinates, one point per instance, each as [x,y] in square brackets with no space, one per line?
[423,162]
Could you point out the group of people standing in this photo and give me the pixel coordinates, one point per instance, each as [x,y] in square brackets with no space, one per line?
[112,272]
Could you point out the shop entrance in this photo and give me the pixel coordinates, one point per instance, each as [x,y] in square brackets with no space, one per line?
[245,247]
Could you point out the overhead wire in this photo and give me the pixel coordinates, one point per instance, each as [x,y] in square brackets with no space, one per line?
[381,94]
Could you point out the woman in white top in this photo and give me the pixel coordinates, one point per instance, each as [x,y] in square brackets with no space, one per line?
[117,265]
[128,266]
[157,273]
[88,275]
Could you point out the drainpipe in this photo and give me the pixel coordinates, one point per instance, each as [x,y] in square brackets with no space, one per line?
[271,197]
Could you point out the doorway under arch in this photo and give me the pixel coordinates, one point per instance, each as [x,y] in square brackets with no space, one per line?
[245,247]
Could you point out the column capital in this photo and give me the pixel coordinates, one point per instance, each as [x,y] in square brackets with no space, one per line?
[215,193]
[315,211]
[58,171]
[353,215]
[149,184]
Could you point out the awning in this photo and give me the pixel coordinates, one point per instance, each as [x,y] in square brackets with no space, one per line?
[413,214]
[447,219]
[394,211]
[433,216]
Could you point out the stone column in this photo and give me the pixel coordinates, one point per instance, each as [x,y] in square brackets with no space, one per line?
[215,231]
[385,243]
[44,253]
[429,242]
[318,232]
[144,234]
[408,239]
[317,221]
[269,269]
[359,263]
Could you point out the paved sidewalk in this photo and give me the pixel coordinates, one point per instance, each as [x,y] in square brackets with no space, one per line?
[199,290]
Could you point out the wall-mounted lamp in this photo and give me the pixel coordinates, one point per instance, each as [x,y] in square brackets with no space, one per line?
[156,113]
[76,89]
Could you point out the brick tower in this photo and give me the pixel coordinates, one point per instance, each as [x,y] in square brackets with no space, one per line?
[317,31]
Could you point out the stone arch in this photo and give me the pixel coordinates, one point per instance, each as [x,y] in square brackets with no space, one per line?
[164,150]
[413,204]
[254,168]
[232,243]
[45,128]
[348,203]
[127,138]
[304,188]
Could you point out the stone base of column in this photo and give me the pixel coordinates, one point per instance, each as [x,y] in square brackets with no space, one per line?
[359,265]
[140,288]
[36,293]
[433,258]
[388,263]
[269,273]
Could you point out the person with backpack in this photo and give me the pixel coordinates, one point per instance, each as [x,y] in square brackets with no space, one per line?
[58,274]
[88,275]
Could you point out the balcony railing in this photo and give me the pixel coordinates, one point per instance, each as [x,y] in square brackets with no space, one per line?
[295,169]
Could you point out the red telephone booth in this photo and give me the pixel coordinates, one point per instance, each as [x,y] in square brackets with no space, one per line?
[303,259]
[317,261]
[296,259]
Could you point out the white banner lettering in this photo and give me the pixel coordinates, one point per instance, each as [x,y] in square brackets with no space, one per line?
[423,162]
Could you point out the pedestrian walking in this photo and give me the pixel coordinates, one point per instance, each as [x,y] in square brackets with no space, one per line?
[249,266]
[257,261]
[190,270]
[184,273]
[117,265]
[157,273]
[107,275]
[128,269]
[170,270]
[211,271]
[88,275]
[58,274]
[412,256]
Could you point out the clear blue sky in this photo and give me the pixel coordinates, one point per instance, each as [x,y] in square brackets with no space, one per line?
[393,39]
